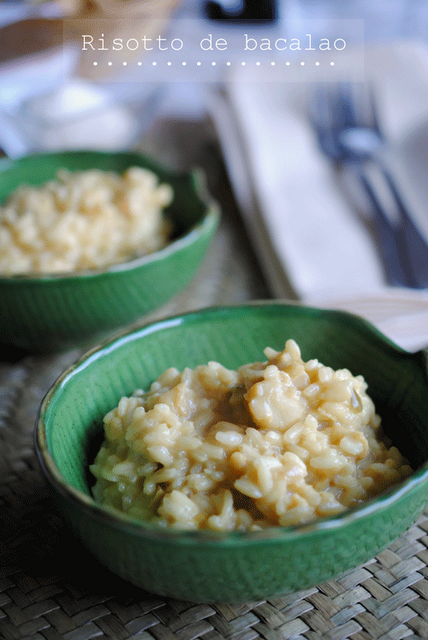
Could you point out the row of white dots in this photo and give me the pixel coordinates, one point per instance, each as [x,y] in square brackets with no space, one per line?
[213,64]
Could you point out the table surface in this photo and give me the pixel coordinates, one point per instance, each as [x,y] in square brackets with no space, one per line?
[50,587]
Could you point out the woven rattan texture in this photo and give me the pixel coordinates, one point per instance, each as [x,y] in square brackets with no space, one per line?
[50,588]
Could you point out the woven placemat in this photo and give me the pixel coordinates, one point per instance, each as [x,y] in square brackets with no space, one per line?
[51,588]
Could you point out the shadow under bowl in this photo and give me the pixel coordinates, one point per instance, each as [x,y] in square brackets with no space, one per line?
[205,566]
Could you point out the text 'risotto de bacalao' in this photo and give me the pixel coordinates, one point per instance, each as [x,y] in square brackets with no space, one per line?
[279,442]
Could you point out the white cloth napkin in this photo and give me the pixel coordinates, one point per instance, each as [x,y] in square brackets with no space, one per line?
[310,241]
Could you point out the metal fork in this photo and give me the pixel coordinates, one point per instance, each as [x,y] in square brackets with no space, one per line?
[346,123]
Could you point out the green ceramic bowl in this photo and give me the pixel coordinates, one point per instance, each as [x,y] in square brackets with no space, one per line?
[207,567]
[50,312]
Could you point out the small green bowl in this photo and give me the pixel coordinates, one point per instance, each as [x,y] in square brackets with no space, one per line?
[51,312]
[205,566]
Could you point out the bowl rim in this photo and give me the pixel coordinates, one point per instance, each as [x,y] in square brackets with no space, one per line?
[275,533]
[203,226]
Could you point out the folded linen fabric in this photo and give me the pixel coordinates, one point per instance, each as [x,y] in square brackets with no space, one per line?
[312,244]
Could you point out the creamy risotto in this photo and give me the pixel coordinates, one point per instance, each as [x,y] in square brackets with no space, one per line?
[83,220]
[279,442]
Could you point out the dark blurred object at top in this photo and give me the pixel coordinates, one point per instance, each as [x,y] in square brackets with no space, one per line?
[252,11]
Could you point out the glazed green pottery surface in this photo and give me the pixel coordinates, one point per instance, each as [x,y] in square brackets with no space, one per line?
[208,567]
[44,313]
